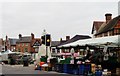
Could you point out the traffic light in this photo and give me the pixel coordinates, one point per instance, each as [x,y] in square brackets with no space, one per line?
[43,39]
[48,39]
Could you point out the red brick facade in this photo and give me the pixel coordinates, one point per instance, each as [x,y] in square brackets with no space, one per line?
[23,47]
[25,44]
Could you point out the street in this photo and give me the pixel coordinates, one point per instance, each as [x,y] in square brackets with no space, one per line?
[13,70]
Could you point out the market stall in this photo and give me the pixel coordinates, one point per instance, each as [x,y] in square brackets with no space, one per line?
[113,41]
[108,50]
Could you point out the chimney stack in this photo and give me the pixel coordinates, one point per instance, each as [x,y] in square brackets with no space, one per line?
[32,35]
[6,43]
[108,17]
[6,37]
[67,38]
[60,39]
[20,36]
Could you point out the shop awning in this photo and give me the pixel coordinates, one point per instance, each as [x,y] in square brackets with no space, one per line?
[113,41]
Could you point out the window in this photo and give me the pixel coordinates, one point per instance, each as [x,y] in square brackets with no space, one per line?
[26,50]
[116,31]
[19,50]
[63,50]
[119,31]
[105,34]
[18,44]
[66,50]
[53,50]
[36,49]
[23,44]
[26,44]
[110,33]
[58,51]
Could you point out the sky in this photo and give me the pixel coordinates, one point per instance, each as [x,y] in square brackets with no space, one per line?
[58,18]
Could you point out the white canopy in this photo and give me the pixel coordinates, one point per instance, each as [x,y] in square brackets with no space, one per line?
[8,52]
[112,40]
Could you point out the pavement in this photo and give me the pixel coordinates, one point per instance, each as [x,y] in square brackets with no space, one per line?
[18,70]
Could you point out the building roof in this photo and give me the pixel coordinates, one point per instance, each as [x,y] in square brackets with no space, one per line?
[26,39]
[55,43]
[13,41]
[75,38]
[108,26]
[96,25]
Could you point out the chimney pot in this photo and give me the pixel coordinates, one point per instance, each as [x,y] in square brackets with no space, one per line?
[60,39]
[6,37]
[32,35]
[20,36]
[67,38]
[108,17]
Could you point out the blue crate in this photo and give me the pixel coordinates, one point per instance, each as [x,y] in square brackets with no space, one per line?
[98,73]
[81,69]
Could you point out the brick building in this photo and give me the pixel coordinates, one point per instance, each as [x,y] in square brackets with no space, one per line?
[28,44]
[109,27]
[10,43]
[2,45]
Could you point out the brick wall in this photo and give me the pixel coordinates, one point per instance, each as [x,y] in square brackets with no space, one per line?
[22,47]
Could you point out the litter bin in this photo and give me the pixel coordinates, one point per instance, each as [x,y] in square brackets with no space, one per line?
[25,61]
[12,61]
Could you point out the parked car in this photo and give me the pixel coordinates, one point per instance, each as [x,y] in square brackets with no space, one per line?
[22,58]
[19,60]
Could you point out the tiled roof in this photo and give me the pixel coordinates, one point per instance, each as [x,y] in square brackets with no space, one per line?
[26,39]
[109,26]
[96,25]
[13,41]
[55,43]
[75,38]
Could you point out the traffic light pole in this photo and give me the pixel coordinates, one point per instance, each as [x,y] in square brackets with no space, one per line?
[46,37]
[45,48]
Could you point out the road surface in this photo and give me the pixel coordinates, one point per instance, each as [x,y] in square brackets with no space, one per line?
[18,70]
